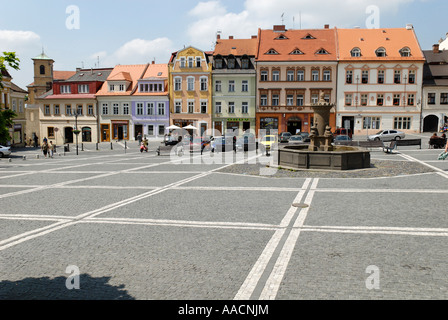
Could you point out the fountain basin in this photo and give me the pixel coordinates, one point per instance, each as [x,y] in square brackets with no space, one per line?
[340,158]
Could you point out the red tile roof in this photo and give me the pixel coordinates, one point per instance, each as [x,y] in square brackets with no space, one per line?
[135,72]
[237,47]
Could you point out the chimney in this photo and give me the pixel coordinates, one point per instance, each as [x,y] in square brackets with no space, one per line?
[280,28]
[153,62]
[327,26]
[230,37]
[435,48]
[218,36]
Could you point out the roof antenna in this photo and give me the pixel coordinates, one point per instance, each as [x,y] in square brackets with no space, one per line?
[283,19]
[98,57]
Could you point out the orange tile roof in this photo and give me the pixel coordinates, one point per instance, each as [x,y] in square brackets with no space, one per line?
[237,47]
[154,70]
[285,42]
[369,40]
[59,75]
[121,76]
[135,72]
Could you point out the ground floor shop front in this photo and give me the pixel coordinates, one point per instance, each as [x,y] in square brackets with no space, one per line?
[64,132]
[201,122]
[240,125]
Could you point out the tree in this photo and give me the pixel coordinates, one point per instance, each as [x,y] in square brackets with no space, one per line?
[10,59]
[6,116]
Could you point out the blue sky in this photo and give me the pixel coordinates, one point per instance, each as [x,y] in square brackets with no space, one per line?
[139,31]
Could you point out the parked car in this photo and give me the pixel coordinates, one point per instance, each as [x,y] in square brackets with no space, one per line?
[343,132]
[284,136]
[268,142]
[341,139]
[305,136]
[296,139]
[4,151]
[387,135]
[246,143]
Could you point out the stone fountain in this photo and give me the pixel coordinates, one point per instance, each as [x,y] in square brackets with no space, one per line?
[320,153]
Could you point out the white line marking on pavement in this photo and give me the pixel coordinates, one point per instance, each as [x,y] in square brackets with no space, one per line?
[412,159]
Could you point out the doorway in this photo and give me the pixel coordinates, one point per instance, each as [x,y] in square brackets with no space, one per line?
[68,134]
[138,129]
[294,125]
[105,133]
[431,123]
[348,123]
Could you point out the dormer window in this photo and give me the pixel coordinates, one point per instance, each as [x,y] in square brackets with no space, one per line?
[296,51]
[380,52]
[231,62]
[245,62]
[308,36]
[271,51]
[322,51]
[218,62]
[281,37]
[405,52]
[356,52]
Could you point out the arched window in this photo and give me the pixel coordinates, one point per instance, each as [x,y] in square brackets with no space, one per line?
[380,52]
[356,52]
[42,69]
[405,52]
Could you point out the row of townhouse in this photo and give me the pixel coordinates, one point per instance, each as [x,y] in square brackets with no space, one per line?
[375,78]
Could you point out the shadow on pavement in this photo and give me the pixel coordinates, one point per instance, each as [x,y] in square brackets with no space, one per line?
[55,289]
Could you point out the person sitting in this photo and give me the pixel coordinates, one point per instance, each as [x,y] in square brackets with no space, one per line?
[436,142]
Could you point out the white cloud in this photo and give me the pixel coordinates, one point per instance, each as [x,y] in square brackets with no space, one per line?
[213,16]
[137,51]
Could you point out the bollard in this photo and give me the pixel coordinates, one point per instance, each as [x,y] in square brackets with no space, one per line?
[37,156]
[82,146]
[125,146]
[9,160]
[111,146]
[24,158]
[97,146]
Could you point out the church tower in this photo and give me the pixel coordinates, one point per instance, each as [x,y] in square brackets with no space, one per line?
[43,77]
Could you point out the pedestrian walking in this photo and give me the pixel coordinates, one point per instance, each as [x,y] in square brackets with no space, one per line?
[36,140]
[45,149]
[52,149]
[139,138]
[234,144]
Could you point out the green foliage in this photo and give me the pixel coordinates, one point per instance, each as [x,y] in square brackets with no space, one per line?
[6,122]
[10,59]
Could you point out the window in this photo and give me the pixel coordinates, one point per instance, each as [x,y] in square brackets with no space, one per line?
[79,110]
[198,62]
[327,75]
[315,75]
[218,107]
[365,76]
[444,98]
[218,63]
[356,52]
[42,69]
[231,63]
[411,76]
[47,110]
[322,51]
[275,75]
[411,99]
[349,76]
[177,84]
[190,106]
[20,106]
[203,106]
[271,51]
[50,132]
[125,108]
[161,130]
[263,100]
[371,122]
[314,98]
[218,86]
[348,99]
[121,87]
[204,84]
[111,87]
[178,107]
[296,51]
[231,85]
[264,75]
[364,99]
[245,86]
[182,62]
[161,109]
[396,100]
[431,98]
[83,88]
[290,100]
[327,98]
[65,89]
[299,100]
[380,76]
[380,52]
[245,107]
[245,63]
[405,52]
[190,84]
[105,108]
[380,99]
[150,108]
[231,107]
[403,123]
[275,99]
[57,110]
[397,76]
[290,75]
[300,75]
[90,110]
[190,62]
[116,108]
[68,110]
[150,130]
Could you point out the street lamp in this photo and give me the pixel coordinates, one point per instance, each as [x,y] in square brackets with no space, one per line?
[76,131]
